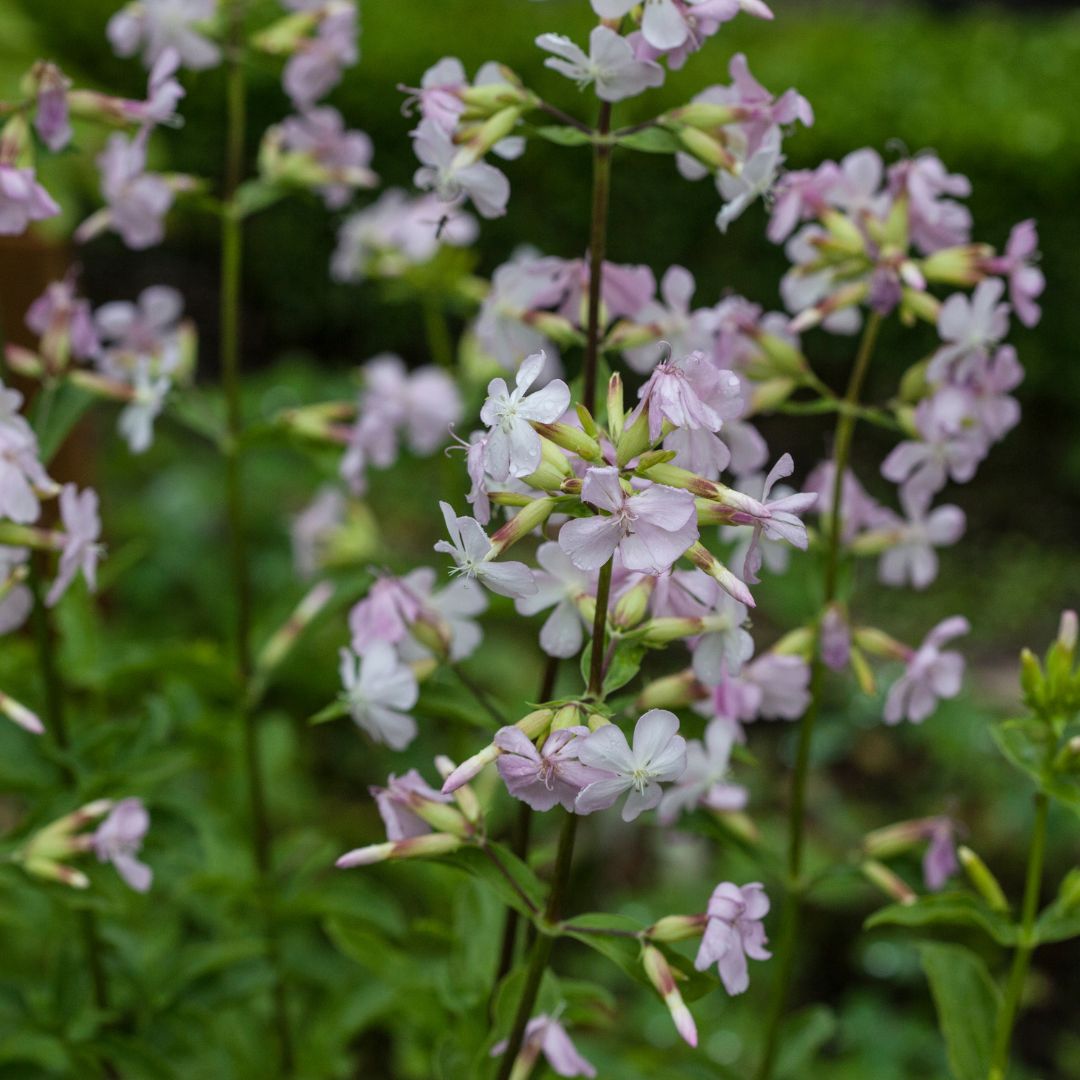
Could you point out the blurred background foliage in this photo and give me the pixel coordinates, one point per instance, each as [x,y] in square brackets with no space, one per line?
[387,964]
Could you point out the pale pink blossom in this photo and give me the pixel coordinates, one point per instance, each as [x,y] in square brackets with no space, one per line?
[443,172]
[344,155]
[940,862]
[454,607]
[119,838]
[398,801]
[137,201]
[22,476]
[473,557]
[658,756]
[553,774]
[935,221]
[610,64]
[1026,280]
[544,1034]
[969,328]
[22,200]
[689,393]
[59,314]
[705,780]
[673,321]
[559,586]
[319,62]
[378,690]
[931,675]
[734,933]
[525,284]
[912,558]
[313,529]
[650,530]
[778,520]
[624,290]
[81,550]
[152,26]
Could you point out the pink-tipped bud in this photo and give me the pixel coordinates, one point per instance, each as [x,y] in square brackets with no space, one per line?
[892,885]
[534,725]
[616,416]
[21,715]
[285,637]
[670,692]
[677,928]
[464,796]
[49,870]
[734,586]
[430,845]
[576,440]
[661,976]
[529,518]
[892,840]
[878,643]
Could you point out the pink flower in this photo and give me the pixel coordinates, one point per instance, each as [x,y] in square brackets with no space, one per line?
[51,120]
[119,838]
[313,529]
[773,687]
[779,519]
[988,384]
[734,933]
[377,688]
[344,155]
[548,776]
[650,530]
[137,201]
[931,675]
[939,862]
[544,1034]
[673,321]
[146,330]
[471,551]
[658,756]
[801,196]
[317,65]
[835,639]
[969,328]
[611,64]
[61,316]
[443,172]
[17,601]
[912,558]
[81,550]
[385,614]
[624,290]
[858,511]
[690,393]
[22,475]
[22,200]
[453,607]
[398,800]
[513,448]
[705,780]
[935,222]
[157,25]
[1026,280]
[519,287]
[559,585]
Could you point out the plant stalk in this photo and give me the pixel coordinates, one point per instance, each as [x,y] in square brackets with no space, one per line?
[1014,988]
[795,886]
[230,341]
[601,196]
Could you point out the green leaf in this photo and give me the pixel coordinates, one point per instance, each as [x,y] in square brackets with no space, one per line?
[563,135]
[947,909]
[474,861]
[967,1003]
[624,665]
[802,1037]
[55,413]
[651,140]
[1060,921]
[255,195]
[1030,745]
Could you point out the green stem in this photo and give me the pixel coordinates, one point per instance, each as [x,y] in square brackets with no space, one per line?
[541,949]
[1014,989]
[596,665]
[231,275]
[601,194]
[795,886]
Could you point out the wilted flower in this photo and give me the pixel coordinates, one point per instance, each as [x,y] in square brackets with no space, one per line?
[931,675]
[118,839]
[377,687]
[51,116]
[658,756]
[734,933]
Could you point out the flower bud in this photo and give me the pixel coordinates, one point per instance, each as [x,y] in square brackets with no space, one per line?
[916,304]
[892,885]
[588,424]
[959,265]
[633,440]
[615,412]
[597,721]
[783,357]
[984,881]
[464,796]
[430,845]
[734,586]
[878,643]
[486,135]
[770,394]
[738,824]
[283,639]
[626,334]
[560,329]
[1060,658]
[283,36]
[798,642]
[1067,759]
[893,840]
[707,149]
[844,235]
[492,97]
[864,674]
[633,605]
[15,144]
[670,692]
[703,115]
[534,725]
[49,870]
[571,715]
[21,715]
[521,525]
[661,976]
[664,630]
[1031,676]
[677,928]
[570,438]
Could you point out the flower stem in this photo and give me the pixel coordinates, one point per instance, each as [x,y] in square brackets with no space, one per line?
[1014,989]
[230,335]
[541,949]
[601,194]
[596,665]
[795,886]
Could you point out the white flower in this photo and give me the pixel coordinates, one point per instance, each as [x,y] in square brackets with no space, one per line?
[377,687]
[513,448]
[470,549]
[756,179]
[704,783]
[441,172]
[559,586]
[658,756]
[611,64]
[136,422]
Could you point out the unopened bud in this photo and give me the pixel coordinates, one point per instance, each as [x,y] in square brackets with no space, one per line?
[521,525]
[15,145]
[633,605]
[492,97]
[784,358]
[464,796]
[283,36]
[707,149]
[770,394]
[615,414]
[957,265]
[703,115]
[534,725]
[1067,759]
[49,870]
[864,674]
[571,438]
[892,885]
[21,715]
[285,637]
[588,424]
[491,131]
[677,928]
[734,586]
[556,327]
[430,845]
[633,440]
[571,715]
[913,384]
[1031,676]
[917,304]
[661,976]
[979,874]
[843,234]
[670,692]
[797,642]
[893,840]
[878,643]
[664,630]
